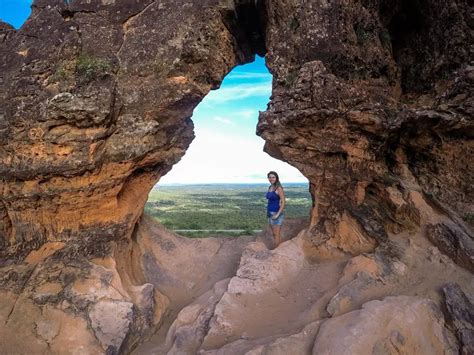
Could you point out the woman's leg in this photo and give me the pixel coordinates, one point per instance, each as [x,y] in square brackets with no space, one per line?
[276,234]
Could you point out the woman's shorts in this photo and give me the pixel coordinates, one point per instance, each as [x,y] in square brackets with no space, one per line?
[275,222]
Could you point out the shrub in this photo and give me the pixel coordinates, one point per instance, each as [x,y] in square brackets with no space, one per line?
[362,33]
[290,78]
[90,68]
[468,217]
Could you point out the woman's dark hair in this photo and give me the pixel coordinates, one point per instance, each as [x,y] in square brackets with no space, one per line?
[277,183]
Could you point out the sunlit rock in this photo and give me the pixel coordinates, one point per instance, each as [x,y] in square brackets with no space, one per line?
[371,101]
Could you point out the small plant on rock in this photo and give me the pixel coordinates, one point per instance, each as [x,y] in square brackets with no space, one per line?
[290,78]
[89,68]
[468,217]
[363,34]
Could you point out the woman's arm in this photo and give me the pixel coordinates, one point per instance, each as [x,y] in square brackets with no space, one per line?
[280,193]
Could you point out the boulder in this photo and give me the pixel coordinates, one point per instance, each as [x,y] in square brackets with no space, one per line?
[393,325]
[111,321]
[461,315]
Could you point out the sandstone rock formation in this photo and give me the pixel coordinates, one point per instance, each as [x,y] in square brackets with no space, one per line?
[280,302]
[96,105]
[372,101]
[394,325]
[461,314]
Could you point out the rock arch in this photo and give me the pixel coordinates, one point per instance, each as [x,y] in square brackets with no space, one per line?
[96,98]
[90,126]
[97,107]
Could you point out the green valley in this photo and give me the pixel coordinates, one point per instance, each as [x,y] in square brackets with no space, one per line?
[224,209]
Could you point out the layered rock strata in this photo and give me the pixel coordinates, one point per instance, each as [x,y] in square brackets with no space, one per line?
[371,101]
[87,128]
[62,302]
[96,99]
[96,105]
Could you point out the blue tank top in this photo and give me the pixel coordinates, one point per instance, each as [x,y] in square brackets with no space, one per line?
[273,201]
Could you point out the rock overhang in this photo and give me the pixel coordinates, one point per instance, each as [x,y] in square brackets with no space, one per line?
[91,125]
[87,127]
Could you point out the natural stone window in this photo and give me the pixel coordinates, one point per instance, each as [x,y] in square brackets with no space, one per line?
[218,186]
[371,101]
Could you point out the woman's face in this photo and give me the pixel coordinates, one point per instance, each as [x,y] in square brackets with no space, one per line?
[272,178]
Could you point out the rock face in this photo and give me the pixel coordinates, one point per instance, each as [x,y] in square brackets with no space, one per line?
[461,314]
[395,325]
[68,304]
[454,242]
[372,101]
[279,302]
[88,126]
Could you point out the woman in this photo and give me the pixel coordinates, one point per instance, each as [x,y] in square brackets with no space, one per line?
[275,206]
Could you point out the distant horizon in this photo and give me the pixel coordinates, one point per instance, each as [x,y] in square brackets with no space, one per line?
[228,183]
[226,147]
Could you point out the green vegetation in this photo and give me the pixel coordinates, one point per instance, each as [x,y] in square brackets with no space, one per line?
[237,208]
[89,68]
[290,79]
[468,217]
[363,34]
[60,74]
[85,69]
[219,233]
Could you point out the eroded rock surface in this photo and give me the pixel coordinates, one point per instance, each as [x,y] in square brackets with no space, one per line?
[461,314]
[391,326]
[71,305]
[334,306]
[96,99]
[87,128]
[372,101]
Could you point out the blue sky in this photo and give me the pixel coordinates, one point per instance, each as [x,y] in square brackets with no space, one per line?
[15,12]
[226,148]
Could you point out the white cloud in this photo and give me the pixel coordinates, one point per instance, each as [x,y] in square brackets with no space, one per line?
[223,120]
[249,75]
[239,92]
[227,158]
[226,149]
[248,113]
